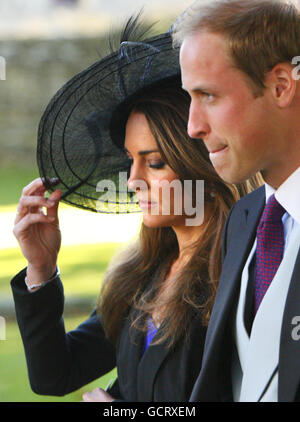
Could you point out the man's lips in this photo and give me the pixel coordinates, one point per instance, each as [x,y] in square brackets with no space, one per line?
[218,152]
[215,150]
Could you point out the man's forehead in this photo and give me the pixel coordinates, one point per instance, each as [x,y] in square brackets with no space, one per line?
[205,55]
[206,47]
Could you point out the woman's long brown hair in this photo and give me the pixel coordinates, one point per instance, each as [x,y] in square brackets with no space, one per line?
[135,277]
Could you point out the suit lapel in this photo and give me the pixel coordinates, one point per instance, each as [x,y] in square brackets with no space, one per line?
[241,241]
[289,362]
[241,232]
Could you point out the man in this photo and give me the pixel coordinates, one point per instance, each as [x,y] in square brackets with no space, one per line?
[238,62]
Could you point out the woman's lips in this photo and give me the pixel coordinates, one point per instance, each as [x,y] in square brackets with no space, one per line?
[147,205]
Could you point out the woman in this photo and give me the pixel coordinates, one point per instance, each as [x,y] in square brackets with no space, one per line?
[157,296]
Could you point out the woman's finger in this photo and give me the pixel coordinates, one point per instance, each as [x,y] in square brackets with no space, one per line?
[27,202]
[97,395]
[32,204]
[29,220]
[38,186]
[54,199]
[33,186]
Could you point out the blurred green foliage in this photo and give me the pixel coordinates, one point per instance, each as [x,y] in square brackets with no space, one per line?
[12,181]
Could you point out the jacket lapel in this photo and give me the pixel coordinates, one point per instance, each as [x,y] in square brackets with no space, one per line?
[289,361]
[148,367]
[137,371]
[129,354]
[241,232]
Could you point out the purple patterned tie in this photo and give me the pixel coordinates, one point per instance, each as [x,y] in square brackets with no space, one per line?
[270,246]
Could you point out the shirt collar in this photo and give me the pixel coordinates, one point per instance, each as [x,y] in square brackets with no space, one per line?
[288,194]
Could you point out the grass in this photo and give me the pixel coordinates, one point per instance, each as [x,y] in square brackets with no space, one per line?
[12,181]
[82,269]
[14,386]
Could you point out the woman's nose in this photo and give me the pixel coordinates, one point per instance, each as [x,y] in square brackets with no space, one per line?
[136,179]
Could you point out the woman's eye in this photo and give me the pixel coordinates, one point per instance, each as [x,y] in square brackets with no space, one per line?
[152,164]
[159,165]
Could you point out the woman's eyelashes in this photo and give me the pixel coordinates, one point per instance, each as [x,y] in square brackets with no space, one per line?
[157,165]
[153,164]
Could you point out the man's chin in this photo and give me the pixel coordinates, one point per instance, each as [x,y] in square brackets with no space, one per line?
[232,177]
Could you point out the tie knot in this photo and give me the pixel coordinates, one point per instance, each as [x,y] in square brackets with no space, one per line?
[273,211]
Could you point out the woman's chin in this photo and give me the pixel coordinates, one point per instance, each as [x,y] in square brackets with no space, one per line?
[157,221]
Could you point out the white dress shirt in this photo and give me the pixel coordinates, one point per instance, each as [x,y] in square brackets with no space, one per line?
[257,355]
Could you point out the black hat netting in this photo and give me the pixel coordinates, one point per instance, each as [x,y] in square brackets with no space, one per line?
[75,143]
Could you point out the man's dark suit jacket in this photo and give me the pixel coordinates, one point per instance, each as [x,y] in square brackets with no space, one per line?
[59,362]
[214,381]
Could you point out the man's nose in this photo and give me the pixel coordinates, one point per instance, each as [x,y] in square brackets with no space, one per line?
[198,127]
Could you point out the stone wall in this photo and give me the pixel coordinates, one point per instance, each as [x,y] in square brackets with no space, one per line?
[35,70]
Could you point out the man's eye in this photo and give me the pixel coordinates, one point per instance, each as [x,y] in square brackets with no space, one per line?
[207,96]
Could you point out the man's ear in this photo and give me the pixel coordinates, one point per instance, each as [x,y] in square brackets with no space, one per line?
[282,84]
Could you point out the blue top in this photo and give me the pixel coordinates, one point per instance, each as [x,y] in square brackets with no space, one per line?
[152,330]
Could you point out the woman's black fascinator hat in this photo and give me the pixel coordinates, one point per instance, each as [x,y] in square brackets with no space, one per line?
[81,133]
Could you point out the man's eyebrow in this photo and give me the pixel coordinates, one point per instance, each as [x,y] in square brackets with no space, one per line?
[145,152]
[200,89]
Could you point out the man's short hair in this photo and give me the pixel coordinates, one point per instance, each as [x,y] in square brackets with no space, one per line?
[259,33]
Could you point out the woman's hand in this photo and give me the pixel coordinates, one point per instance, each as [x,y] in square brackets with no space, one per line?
[38,233]
[97,395]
